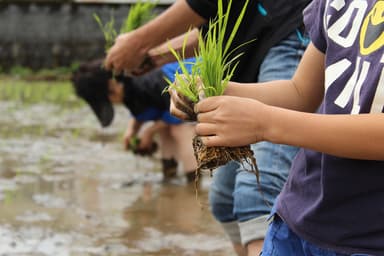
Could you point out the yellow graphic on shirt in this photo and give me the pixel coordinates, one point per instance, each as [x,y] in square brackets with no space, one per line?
[372,29]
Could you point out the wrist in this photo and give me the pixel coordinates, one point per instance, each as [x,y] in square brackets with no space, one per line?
[267,126]
[279,125]
[160,56]
[229,89]
[142,38]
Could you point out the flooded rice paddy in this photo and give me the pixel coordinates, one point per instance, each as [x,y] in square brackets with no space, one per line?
[67,188]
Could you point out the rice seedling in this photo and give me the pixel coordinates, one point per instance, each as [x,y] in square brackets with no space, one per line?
[186,81]
[139,14]
[215,65]
[108,29]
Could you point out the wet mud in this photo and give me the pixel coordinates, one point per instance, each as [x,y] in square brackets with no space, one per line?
[68,188]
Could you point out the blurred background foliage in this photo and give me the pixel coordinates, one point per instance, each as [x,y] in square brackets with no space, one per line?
[43,41]
[45,34]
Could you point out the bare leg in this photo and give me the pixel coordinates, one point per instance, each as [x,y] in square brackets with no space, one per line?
[239,249]
[254,248]
[167,153]
[167,143]
[183,135]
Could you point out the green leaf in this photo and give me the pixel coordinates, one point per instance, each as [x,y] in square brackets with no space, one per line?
[215,65]
[108,30]
[139,14]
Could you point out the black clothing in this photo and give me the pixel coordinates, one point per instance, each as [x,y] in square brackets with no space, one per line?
[143,92]
[266,21]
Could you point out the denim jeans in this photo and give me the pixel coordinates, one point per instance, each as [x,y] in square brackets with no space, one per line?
[235,196]
[282,241]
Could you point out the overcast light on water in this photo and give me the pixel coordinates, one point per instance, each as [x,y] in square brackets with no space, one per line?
[67,188]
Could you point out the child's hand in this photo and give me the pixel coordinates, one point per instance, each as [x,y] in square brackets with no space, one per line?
[181,107]
[230,121]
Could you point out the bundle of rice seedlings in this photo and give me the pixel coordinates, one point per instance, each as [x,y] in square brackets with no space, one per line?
[214,67]
[139,14]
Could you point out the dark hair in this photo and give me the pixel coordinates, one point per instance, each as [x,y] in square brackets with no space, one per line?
[90,82]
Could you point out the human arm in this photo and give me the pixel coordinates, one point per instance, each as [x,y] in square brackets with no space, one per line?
[130,49]
[161,54]
[259,113]
[146,134]
[185,45]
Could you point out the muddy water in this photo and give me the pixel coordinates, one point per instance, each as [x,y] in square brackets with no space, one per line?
[67,188]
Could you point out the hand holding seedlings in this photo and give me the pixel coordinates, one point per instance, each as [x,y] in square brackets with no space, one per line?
[220,119]
[121,58]
[181,106]
[209,77]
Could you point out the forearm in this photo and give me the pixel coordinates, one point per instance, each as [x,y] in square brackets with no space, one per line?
[161,54]
[155,127]
[351,136]
[134,125]
[173,22]
[304,92]
[277,93]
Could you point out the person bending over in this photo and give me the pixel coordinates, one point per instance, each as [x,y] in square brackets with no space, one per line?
[143,96]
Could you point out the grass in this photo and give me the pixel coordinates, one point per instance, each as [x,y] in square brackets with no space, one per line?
[26,73]
[214,62]
[30,92]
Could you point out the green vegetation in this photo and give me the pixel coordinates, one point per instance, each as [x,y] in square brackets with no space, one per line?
[213,64]
[30,92]
[134,142]
[186,82]
[108,30]
[21,72]
[139,14]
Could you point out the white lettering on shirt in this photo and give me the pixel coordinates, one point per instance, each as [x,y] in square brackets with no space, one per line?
[356,11]
[345,35]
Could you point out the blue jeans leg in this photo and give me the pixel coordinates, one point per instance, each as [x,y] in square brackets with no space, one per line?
[235,194]
[282,241]
[221,192]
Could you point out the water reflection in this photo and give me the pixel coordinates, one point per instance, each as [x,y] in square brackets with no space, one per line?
[68,188]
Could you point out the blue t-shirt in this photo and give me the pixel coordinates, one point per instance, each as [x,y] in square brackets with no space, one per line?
[335,202]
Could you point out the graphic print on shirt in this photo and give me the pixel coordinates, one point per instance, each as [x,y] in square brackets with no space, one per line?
[356,23]
[372,30]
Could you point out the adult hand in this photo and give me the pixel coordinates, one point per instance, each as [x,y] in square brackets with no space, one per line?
[230,121]
[126,54]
